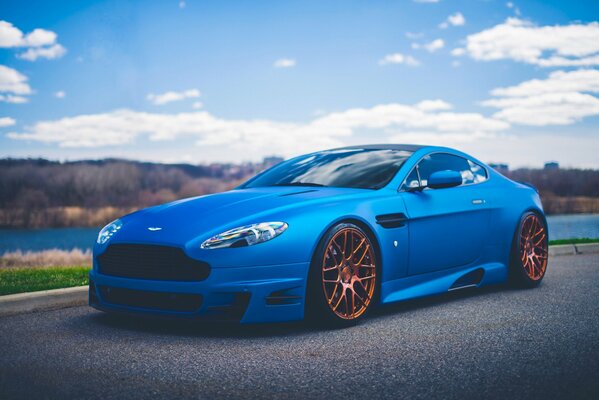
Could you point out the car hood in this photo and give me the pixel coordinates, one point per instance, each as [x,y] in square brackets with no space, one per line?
[183,220]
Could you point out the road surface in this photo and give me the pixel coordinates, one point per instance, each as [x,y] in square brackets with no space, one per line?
[492,343]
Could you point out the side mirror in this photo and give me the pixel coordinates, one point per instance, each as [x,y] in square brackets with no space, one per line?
[444,179]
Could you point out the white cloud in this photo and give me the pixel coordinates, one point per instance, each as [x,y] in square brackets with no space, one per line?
[197,105]
[398,58]
[52,52]
[10,36]
[511,6]
[562,99]
[547,46]
[414,35]
[60,94]
[284,63]
[6,121]
[435,45]
[433,105]
[431,47]
[168,97]
[39,37]
[9,98]
[583,80]
[41,43]
[256,138]
[458,51]
[13,82]
[456,19]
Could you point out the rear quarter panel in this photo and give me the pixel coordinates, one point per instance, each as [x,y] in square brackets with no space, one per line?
[508,200]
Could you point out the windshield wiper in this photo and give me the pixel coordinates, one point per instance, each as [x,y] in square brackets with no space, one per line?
[298,184]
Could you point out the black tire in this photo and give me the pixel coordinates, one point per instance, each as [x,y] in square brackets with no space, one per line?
[530,252]
[326,264]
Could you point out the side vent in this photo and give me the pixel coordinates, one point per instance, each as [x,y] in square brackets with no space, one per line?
[391,220]
[471,279]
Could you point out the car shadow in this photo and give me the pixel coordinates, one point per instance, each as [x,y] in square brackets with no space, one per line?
[192,328]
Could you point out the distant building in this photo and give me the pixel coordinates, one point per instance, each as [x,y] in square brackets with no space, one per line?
[272,160]
[501,168]
[552,165]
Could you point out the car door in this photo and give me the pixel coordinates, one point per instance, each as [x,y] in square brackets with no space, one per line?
[448,226]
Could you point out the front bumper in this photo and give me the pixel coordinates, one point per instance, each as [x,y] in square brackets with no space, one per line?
[245,294]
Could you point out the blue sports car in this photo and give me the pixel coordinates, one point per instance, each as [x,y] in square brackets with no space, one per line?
[328,235]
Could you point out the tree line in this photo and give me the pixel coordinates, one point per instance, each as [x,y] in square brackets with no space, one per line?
[39,192]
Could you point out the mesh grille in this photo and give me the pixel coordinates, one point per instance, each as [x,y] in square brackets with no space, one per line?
[151,262]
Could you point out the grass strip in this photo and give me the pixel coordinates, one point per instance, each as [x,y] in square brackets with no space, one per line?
[20,280]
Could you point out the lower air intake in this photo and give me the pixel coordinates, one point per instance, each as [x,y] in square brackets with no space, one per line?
[161,301]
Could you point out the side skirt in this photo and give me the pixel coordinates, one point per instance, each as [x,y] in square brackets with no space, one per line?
[438,282]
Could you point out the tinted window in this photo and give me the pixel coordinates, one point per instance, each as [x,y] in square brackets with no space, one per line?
[470,171]
[477,173]
[352,168]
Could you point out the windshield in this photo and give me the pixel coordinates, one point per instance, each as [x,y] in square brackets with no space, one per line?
[351,168]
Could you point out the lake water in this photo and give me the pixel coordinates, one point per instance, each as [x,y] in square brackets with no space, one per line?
[560,227]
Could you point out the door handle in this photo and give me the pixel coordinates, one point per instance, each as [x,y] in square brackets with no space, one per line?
[478,201]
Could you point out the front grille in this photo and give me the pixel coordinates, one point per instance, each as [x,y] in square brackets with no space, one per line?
[155,262]
[162,301]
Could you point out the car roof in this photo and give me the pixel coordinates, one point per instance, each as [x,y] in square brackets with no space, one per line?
[404,147]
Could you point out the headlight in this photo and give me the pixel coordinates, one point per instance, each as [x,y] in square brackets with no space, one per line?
[246,235]
[109,230]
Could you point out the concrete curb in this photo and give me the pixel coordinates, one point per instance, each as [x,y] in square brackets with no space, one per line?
[572,249]
[587,248]
[43,300]
[562,250]
[77,296]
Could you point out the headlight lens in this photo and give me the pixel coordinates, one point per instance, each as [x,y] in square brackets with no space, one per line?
[109,230]
[248,235]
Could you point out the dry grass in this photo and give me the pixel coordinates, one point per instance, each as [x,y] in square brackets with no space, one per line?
[46,258]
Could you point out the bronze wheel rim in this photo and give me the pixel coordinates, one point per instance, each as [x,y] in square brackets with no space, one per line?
[349,273]
[533,247]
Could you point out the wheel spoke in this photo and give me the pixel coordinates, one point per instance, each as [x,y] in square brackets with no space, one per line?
[336,306]
[353,253]
[533,247]
[350,289]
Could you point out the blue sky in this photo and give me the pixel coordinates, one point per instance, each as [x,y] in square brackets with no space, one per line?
[201,81]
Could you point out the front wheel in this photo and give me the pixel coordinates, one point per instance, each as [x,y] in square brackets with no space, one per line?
[343,282]
[529,251]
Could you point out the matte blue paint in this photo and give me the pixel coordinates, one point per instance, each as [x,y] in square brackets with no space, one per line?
[449,233]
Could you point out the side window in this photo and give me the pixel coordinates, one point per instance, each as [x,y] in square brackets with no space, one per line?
[471,172]
[441,162]
[412,180]
[477,173]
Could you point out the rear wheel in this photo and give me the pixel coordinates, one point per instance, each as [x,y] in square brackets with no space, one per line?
[343,281]
[530,251]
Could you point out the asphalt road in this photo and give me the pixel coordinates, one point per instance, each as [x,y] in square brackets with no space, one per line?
[493,343]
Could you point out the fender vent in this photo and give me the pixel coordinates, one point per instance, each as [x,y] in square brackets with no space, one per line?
[392,220]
